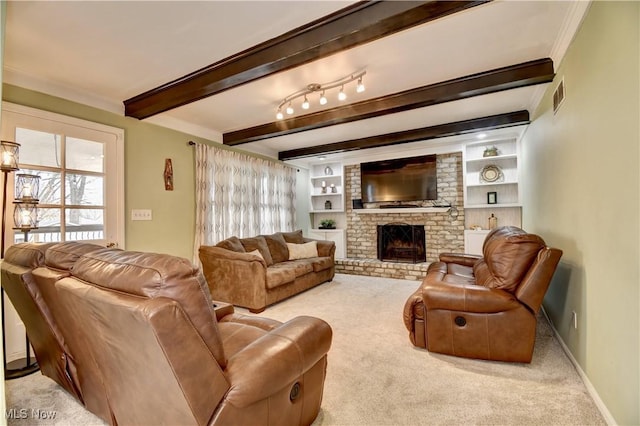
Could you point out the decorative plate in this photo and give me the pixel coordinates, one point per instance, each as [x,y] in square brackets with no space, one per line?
[491,173]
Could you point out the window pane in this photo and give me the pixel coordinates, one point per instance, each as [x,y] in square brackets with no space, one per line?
[84,224]
[48,227]
[82,190]
[39,148]
[49,186]
[84,155]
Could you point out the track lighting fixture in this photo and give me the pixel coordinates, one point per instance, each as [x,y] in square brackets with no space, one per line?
[316,87]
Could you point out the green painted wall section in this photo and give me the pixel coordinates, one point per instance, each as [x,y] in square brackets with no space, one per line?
[3,19]
[581,193]
[146,147]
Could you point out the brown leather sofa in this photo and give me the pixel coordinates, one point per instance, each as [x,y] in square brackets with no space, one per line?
[236,274]
[136,338]
[484,307]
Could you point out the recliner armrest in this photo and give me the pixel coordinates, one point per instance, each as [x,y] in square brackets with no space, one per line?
[466,297]
[459,258]
[276,359]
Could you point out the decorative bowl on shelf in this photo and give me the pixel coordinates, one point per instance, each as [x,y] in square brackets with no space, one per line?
[490,152]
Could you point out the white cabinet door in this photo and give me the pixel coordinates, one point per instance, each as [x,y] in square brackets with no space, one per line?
[473,241]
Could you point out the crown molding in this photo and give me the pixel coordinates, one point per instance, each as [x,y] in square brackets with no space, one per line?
[52,88]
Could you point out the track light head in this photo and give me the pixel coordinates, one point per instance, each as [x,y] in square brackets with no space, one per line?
[341,95]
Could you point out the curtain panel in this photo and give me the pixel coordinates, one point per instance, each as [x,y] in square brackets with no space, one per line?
[240,195]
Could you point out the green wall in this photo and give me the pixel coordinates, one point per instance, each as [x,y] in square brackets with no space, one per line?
[146,147]
[582,186]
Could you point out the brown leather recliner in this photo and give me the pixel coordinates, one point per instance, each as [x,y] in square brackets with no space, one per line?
[165,355]
[484,307]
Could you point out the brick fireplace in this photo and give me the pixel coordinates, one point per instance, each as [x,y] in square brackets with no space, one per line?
[442,231]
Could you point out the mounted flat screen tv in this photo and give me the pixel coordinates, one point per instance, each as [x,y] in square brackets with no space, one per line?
[402,179]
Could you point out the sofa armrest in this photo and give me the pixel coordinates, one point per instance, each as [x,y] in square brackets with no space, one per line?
[459,258]
[276,359]
[237,278]
[438,294]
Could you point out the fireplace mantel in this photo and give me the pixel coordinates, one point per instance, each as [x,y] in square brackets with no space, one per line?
[403,210]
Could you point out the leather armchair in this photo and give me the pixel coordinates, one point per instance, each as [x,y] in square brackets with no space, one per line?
[484,307]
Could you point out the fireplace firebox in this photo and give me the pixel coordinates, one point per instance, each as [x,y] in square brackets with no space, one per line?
[401,242]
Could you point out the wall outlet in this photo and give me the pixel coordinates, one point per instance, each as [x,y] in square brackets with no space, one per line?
[574,319]
[141,214]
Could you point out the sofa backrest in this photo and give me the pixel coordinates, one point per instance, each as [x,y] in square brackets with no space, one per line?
[508,253]
[44,335]
[149,352]
[536,282]
[82,366]
[154,275]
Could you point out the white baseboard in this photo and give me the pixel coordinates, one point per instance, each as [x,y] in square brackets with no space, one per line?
[585,379]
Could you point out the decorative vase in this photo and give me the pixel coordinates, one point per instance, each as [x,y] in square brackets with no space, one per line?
[327,205]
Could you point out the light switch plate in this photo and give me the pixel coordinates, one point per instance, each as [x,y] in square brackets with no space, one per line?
[141,214]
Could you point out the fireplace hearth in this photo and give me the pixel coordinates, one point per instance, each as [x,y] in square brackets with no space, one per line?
[401,242]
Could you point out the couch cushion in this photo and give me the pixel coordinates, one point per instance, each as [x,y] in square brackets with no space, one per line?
[321,263]
[277,247]
[259,243]
[233,244]
[278,275]
[303,251]
[293,237]
[507,259]
[299,267]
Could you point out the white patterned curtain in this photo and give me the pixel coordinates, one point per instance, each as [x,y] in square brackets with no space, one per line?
[240,195]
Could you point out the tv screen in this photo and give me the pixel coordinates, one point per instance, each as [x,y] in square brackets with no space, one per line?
[402,179]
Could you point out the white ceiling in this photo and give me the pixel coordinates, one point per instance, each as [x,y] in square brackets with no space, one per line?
[101,53]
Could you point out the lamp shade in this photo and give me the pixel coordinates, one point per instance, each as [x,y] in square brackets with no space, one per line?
[25,215]
[27,187]
[9,152]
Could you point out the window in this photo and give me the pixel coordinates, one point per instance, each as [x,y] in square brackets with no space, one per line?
[81,169]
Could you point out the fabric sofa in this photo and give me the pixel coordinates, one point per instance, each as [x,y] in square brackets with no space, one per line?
[256,272]
[484,306]
[136,338]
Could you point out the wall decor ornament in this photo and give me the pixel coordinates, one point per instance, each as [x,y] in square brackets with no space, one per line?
[168,175]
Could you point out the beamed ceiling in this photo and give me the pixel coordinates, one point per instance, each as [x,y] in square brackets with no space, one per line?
[439,69]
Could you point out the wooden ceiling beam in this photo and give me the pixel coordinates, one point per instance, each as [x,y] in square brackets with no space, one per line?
[442,130]
[354,25]
[510,77]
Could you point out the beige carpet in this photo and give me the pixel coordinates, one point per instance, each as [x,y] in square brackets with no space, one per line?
[376,377]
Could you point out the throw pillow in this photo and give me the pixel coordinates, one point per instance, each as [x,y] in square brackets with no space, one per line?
[259,243]
[256,252]
[277,247]
[293,237]
[303,251]
[231,243]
